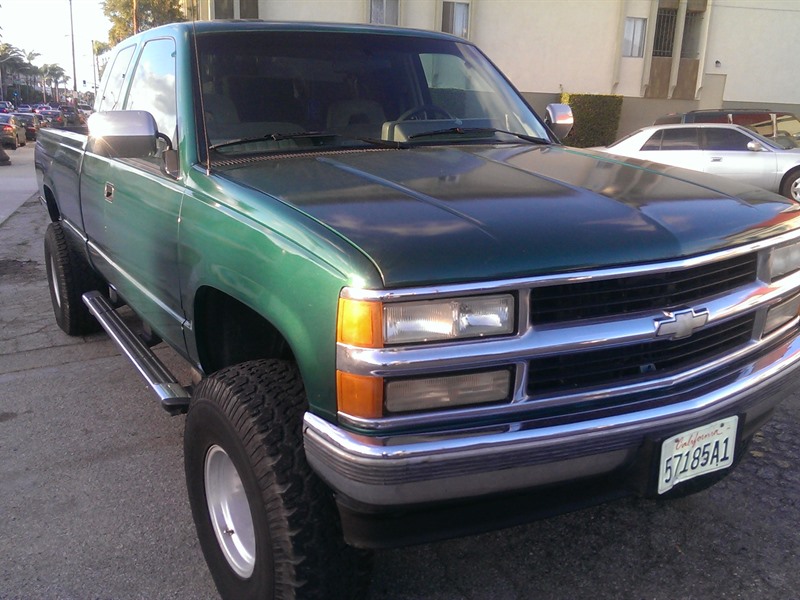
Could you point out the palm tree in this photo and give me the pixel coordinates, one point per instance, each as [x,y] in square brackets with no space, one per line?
[30,71]
[11,61]
[52,75]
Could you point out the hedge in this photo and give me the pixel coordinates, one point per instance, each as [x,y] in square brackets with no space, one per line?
[596,119]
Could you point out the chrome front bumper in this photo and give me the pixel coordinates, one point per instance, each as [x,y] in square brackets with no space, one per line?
[397,470]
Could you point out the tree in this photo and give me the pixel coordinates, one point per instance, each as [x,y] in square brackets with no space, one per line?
[148,14]
[11,61]
[53,75]
[99,49]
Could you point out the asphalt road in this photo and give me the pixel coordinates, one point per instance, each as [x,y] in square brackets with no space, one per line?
[93,503]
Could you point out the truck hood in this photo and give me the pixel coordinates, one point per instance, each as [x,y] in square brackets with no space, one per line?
[458,214]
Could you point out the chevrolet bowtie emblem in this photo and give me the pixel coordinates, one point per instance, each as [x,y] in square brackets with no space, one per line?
[681,323]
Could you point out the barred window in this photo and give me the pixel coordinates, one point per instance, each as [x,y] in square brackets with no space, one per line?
[665,31]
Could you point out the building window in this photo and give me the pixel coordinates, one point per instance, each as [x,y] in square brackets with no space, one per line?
[384,12]
[235,9]
[223,9]
[634,36]
[455,18]
[248,9]
[690,48]
[665,31]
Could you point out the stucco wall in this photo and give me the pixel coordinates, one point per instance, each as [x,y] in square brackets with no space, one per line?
[333,11]
[549,45]
[756,43]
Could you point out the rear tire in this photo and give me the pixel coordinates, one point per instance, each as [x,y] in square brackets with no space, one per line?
[69,277]
[268,527]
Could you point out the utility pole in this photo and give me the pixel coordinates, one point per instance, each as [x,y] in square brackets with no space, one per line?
[74,70]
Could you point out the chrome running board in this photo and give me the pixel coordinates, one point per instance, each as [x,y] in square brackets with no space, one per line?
[173,396]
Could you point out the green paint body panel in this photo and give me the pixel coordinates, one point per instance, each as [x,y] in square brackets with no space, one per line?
[283,236]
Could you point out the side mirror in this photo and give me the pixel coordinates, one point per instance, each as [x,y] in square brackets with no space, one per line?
[559,119]
[123,134]
[755,146]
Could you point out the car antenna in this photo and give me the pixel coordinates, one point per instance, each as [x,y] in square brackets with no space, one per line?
[200,89]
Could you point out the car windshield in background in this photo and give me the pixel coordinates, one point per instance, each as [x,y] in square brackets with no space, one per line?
[784,131]
[280,91]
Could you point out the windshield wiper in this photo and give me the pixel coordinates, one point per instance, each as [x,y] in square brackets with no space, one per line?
[275,137]
[479,130]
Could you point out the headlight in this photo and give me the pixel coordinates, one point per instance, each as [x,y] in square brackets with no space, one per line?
[782,314]
[372,324]
[451,319]
[784,260]
[450,391]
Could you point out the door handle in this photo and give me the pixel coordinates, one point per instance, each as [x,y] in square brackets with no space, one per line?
[109,192]
[716,159]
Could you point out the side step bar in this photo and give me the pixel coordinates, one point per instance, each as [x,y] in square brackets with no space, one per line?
[173,396]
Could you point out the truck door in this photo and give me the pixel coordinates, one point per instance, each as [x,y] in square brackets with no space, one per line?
[132,207]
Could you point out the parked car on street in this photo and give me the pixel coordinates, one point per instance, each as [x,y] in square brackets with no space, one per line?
[32,123]
[12,131]
[733,151]
[783,127]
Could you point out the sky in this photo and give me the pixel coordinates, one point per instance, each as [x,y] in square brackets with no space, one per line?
[43,26]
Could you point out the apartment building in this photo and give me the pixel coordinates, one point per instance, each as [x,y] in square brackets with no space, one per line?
[660,55]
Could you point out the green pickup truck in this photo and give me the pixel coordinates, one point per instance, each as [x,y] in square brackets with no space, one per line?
[409,311]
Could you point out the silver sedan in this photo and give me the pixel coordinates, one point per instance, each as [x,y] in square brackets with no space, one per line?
[728,150]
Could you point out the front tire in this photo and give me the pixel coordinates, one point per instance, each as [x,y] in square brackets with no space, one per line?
[791,186]
[267,525]
[69,277]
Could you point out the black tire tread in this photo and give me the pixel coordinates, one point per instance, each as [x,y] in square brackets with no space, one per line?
[786,187]
[75,277]
[264,400]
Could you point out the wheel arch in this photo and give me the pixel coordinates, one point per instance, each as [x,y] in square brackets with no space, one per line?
[229,332]
[791,174]
[50,203]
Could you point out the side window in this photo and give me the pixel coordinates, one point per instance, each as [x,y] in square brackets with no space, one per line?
[153,86]
[725,139]
[111,98]
[680,139]
[654,143]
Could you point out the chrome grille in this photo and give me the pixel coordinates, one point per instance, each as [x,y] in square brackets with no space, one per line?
[623,364]
[657,291]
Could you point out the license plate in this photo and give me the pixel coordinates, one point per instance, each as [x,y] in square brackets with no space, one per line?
[697,452]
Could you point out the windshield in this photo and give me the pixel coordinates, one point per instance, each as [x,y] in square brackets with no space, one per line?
[283,90]
[785,131]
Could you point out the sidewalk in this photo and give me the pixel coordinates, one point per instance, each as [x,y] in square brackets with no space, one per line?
[17,180]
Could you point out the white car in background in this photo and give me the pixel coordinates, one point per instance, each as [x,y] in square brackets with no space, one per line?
[728,150]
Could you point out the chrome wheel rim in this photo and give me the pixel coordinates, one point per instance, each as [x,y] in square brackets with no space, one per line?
[795,189]
[54,282]
[230,512]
